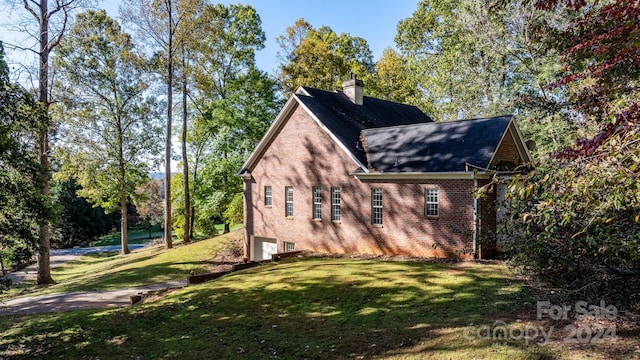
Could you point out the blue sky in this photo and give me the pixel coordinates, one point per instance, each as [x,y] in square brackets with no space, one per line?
[373,20]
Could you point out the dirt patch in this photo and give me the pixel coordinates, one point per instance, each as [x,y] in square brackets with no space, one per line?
[230,253]
[157,295]
[596,337]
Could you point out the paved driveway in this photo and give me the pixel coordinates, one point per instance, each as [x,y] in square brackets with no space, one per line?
[79,300]
[59,257]
[75,300]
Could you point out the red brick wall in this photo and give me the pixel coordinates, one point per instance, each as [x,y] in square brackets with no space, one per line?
[303,156]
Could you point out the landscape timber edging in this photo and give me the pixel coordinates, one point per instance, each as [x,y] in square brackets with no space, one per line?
[201,278]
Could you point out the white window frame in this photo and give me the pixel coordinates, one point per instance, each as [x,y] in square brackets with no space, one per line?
[288,201]
[268,195]
[336,202]
[376,206]
[431,204]
[317,202]
[289,246]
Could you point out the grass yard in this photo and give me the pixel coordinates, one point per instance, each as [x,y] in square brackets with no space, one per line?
[139,236]
[142,236]
[318,308]
[110,271]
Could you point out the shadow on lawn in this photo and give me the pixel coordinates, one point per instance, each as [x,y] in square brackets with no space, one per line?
[109,276]
[315,309]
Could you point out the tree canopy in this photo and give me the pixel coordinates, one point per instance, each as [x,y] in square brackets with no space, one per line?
[577,216]
[321,58]
[22,206]
[109,123]
[236,103]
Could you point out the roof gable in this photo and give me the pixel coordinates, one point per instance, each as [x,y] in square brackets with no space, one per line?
[341,119]
[435,147]
[345,120]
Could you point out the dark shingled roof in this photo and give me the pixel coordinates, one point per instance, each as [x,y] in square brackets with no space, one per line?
[346,120]
[434,147]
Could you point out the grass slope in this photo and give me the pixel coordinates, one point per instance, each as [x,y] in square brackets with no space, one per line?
[140,236]
[110,271]
[315,308]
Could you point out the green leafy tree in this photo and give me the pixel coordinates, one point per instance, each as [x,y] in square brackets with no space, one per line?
[467,59]
[462,74]
[395,79]
[234,132]
[577,216]
[46,23]
[149,204]
[235,103]
[110,130]
[79,221]
[160,24]
[200,143]
[178,201]
[321,58]
[474,60]
[22,206]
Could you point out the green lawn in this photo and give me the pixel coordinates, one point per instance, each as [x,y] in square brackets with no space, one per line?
[141,236]
[315,308]
[108,271]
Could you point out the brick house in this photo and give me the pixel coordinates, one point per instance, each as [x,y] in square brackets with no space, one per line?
[338,172]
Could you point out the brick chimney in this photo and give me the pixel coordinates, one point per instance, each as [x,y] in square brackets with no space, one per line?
[353,89]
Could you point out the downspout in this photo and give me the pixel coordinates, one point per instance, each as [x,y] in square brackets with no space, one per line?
[475,216]
[247,213]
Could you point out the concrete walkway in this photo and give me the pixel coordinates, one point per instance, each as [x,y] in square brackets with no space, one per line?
[79,300]
[75,300]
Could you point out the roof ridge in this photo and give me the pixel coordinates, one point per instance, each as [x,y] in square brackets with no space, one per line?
[339,91]
[434,123]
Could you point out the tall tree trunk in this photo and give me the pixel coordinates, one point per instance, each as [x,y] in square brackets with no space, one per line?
[44,265]
[226,228]
[124,236]
[195,183]
[168,243]
[4,272]
[185,163]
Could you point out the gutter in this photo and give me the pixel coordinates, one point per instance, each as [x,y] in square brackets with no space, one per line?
[421,175]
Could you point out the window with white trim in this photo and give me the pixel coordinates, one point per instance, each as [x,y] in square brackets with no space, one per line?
[289,246]
[335,204]
[376,206]
[268,196]
[317,203]
[288,200]
[431,202]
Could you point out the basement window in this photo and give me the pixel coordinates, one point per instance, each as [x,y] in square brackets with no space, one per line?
[289,246]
